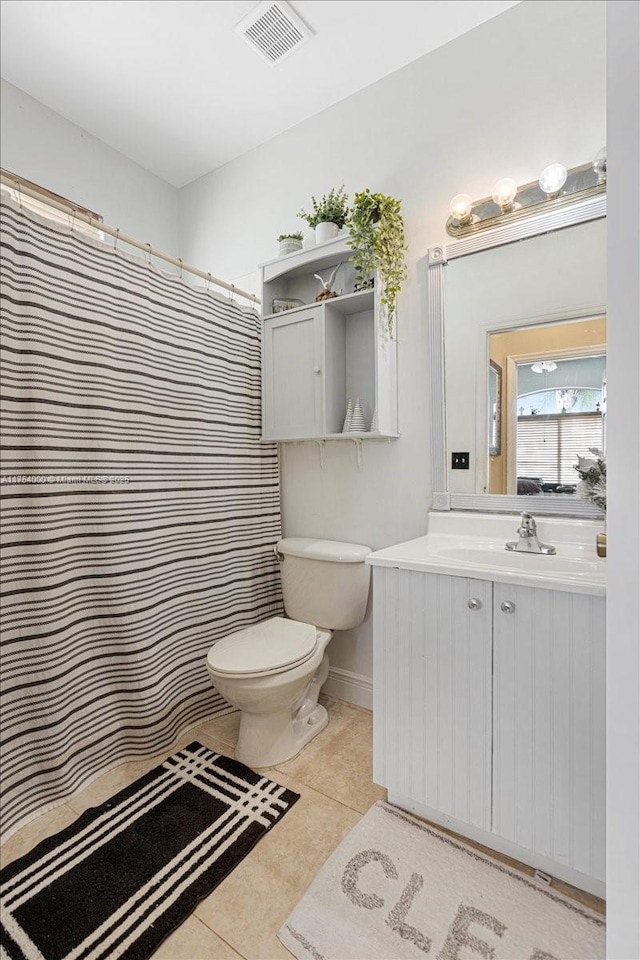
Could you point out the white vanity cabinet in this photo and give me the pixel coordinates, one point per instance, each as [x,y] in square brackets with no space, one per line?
[489,714]
[318,356]
[549,724]
[432,691]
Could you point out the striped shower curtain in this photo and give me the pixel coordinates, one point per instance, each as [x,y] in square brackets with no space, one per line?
[139,508]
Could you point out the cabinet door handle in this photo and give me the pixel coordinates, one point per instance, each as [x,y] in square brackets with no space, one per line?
[508,606]
[316,370]
[474,604]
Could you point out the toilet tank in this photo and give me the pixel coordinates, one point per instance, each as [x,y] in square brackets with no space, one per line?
[324,582]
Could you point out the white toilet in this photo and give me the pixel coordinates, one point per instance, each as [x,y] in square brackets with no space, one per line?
[273,670]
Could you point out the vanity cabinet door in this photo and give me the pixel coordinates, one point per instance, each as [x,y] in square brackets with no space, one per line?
[292,379]
[432,691]
[549,724]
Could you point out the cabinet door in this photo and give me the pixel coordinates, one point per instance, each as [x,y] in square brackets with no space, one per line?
[292,383]
[432,691]
[549,724]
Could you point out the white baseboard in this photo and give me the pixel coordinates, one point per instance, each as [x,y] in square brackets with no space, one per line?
[352,687]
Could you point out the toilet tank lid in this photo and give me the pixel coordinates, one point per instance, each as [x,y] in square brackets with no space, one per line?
[331,550]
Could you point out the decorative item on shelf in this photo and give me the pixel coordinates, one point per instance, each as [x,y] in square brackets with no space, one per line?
[374,421]
[289,243]
[347,420]
[593,487]
[376,235]
[556,185]
[328,215]
[327,293]
[357,424]
[280,305]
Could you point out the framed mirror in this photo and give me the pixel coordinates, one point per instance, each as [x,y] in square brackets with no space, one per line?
[517,379]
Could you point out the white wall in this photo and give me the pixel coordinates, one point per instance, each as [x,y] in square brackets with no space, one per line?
[511,96]
[42,146]
[623,471]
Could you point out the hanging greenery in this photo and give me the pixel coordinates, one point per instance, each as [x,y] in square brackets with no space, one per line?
[376,234]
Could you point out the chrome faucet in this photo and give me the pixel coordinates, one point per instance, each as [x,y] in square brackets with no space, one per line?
[528,538]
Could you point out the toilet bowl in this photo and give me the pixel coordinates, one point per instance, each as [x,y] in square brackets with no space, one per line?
[276,691]
[273,671]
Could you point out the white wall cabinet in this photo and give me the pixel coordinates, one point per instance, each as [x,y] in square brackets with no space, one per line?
[317,356]
[489,714]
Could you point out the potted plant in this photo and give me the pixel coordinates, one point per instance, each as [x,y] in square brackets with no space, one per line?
[289,243]
[376,235]
[328,215]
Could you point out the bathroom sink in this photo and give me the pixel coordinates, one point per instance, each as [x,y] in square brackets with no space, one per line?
[475,548]
[494,554]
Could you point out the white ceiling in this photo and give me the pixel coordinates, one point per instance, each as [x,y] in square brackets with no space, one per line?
[171,86]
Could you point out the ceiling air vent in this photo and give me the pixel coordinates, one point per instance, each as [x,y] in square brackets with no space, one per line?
[274,30]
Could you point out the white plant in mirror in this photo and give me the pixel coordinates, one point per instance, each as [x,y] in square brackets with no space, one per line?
[593,478]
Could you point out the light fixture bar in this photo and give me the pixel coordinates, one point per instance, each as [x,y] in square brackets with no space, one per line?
[505,206]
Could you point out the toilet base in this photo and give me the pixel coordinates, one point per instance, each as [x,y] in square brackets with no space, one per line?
[264,741]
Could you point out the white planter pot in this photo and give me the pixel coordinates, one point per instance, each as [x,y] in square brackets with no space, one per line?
[289,245]
[326,231]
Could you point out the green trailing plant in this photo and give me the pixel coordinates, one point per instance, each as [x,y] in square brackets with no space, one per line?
[332,208]
[376,234]
[290,236]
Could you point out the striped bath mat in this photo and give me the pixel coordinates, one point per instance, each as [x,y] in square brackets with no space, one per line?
[122,877]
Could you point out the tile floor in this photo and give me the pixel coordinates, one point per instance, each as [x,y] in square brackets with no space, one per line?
[241,917]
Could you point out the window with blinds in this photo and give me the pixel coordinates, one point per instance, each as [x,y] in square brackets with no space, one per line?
[548,446]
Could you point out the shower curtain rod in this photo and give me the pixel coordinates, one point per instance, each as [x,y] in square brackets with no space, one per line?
[27,188]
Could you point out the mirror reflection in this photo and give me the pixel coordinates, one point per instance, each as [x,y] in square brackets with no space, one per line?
[553,405]
[524,336]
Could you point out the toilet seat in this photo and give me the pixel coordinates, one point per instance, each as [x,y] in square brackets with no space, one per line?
[263,649]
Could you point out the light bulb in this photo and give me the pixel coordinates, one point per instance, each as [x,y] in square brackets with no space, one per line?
[460,208]
[504,193]
[599,164]
[552,179]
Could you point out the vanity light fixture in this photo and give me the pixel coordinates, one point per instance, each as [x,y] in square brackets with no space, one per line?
[555,187]
[504,194]
[599,164]
[552,179]
[460,208]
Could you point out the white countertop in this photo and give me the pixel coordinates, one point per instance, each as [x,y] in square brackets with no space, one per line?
[473,545]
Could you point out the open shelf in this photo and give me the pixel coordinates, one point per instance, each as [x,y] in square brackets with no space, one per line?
[348,303]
